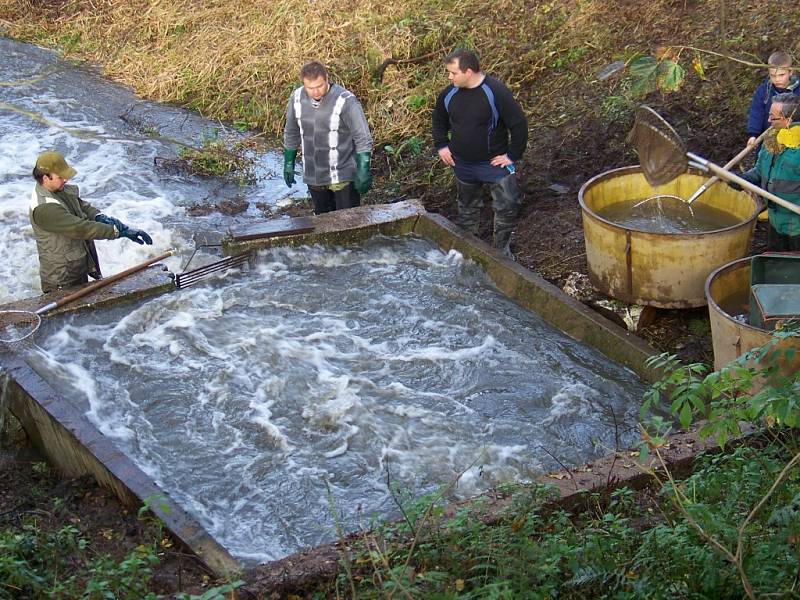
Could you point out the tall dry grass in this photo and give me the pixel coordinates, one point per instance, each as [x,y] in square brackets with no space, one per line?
[235,60]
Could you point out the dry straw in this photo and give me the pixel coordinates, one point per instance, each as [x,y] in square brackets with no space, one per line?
[239,60]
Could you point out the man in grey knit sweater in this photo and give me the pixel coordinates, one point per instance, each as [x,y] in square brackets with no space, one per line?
[328,123]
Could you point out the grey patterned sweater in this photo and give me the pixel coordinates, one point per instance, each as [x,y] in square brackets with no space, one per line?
[330,134]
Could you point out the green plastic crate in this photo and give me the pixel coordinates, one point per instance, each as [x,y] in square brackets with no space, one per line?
[775,268]
[771,304]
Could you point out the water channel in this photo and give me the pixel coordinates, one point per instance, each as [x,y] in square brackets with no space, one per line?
[113,139]
[339,367]
[315,381]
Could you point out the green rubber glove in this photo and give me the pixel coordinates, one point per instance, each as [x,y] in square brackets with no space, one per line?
[289,157]
[363,179]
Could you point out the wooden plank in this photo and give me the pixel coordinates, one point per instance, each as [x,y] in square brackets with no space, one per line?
[273,228]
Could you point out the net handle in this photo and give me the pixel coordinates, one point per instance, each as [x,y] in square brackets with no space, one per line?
[103,283]
[728,166]
[750,187]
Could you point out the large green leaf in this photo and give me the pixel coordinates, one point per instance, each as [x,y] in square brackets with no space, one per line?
[644,67]
[670,76]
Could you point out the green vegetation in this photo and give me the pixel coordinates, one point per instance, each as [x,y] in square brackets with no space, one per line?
[227,158]
[37,563]
[238,62]
[49,549]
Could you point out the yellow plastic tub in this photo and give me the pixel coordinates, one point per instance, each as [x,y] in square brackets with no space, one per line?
[665,270]
[728,294]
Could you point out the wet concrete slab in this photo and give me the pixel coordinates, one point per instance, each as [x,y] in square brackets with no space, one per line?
[151,281]
[342,227]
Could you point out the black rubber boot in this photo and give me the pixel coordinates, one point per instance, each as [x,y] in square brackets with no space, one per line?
[470,203]
[506,203]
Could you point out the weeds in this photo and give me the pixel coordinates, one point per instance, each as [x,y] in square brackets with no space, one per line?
[223,158]
[35,563]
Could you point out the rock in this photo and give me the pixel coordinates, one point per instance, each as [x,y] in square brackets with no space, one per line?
[232,206]
[610,69]
[558,188]
[579,287]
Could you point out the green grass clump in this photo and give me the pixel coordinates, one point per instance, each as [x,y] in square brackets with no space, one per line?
[37,563]
[626,545]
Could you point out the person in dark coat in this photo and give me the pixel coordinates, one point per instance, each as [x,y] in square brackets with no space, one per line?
[781,79]
[480,130]
[65,226]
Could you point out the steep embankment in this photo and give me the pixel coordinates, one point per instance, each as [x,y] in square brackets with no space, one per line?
[237,62]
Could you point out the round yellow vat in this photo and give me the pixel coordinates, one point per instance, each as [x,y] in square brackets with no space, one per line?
[728,294]
[666,270]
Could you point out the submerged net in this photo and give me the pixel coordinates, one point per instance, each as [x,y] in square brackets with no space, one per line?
[661,151]
[16,325]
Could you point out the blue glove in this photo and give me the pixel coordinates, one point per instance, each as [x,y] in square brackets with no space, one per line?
[137,235]
[121,227]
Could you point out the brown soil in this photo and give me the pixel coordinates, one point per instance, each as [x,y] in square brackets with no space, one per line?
[30,492]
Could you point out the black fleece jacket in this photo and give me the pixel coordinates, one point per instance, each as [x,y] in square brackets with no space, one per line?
[468,122]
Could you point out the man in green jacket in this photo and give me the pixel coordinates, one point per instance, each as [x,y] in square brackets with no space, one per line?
[65,226]
[777,170]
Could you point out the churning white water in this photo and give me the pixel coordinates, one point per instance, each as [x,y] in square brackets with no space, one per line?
[113,139]
[345,368]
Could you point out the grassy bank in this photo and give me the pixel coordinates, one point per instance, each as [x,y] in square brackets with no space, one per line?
[238,62]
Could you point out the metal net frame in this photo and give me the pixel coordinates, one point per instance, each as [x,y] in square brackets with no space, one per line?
[18,325]
[662,153]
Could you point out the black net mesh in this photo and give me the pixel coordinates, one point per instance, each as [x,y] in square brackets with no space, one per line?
[661,151]
[17,325]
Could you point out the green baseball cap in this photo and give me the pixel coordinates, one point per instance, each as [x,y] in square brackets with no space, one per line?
[54,162]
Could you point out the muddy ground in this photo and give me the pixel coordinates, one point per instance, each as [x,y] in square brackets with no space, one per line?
[33,494]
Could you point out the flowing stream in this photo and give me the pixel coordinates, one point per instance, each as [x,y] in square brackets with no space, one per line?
[114,140]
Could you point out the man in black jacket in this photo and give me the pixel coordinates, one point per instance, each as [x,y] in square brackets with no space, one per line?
[473,119]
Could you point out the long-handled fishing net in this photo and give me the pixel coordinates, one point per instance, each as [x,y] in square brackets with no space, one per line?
[19,325]
[728,166]
[663,156]
[657,155]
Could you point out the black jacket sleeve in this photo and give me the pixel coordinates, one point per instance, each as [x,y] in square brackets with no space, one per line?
[441,122]
[514,118]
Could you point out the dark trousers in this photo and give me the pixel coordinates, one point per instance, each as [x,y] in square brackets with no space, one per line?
[777,242]
[326,200]
[506,200]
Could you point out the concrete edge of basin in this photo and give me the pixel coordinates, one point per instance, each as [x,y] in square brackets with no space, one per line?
[343,227]
[542,297]
[151,281]
[53,418]
[71,443]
